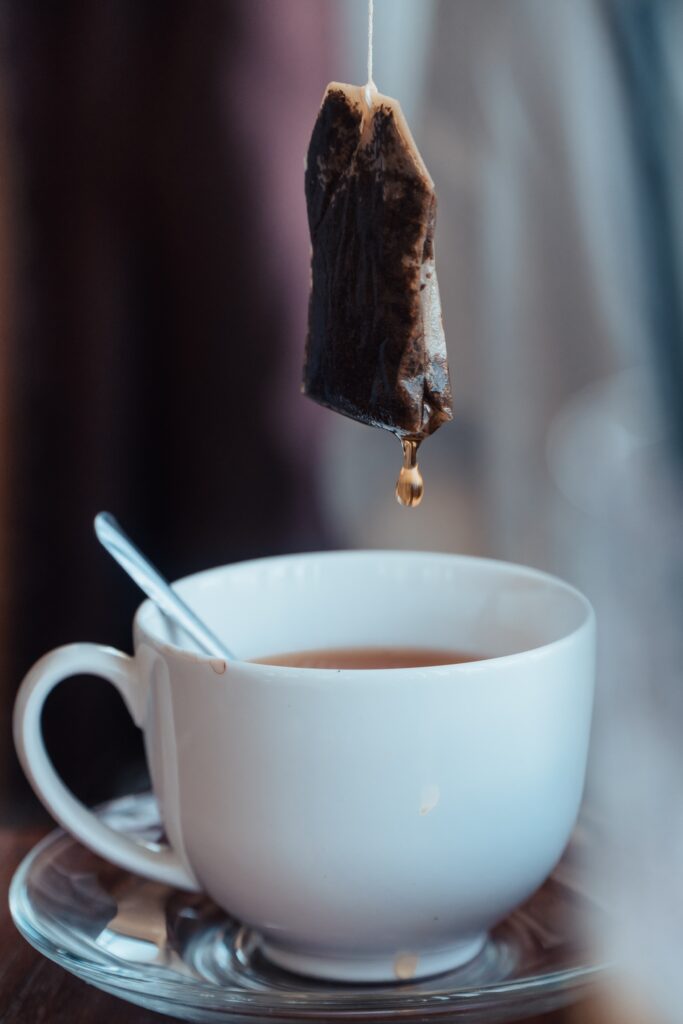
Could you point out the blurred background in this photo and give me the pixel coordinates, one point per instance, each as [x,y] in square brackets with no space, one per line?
[153,293]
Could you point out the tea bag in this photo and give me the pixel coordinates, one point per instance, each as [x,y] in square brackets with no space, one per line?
[376,349]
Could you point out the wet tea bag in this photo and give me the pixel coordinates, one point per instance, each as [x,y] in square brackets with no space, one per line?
[376,349]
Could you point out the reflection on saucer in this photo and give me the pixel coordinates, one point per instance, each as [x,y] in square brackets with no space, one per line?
[178,953]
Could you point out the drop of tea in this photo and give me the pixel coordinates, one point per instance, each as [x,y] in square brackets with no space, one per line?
[409,486]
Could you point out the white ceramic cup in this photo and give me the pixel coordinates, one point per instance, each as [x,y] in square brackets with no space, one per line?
[369,824]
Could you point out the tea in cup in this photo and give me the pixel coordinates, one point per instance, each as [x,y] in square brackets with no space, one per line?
[394,764]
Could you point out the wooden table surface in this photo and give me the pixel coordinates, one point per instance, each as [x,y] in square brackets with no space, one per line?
[35,991]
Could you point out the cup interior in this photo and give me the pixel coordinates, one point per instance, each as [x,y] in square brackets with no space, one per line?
[375,598]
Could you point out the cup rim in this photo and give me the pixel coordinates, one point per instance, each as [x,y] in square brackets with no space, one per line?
[141,632]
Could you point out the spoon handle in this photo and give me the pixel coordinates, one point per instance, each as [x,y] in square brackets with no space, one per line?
[150,580]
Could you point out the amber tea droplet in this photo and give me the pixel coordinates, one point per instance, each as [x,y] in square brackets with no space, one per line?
[409,486]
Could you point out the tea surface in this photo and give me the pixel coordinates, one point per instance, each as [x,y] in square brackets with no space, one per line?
[369,657]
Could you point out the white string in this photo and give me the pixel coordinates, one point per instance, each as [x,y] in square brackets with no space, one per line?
[370,87]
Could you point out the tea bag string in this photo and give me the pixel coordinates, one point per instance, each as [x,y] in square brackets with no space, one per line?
[370,88]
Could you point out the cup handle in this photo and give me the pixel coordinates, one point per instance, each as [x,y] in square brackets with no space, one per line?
[159,863]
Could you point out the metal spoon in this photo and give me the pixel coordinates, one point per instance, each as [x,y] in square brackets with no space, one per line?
[149,579]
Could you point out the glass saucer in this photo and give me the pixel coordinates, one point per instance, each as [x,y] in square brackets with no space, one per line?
[179,954]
